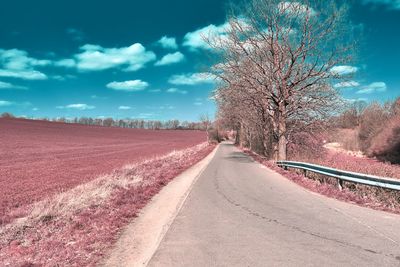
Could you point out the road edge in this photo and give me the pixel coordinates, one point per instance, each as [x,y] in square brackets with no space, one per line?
[140,240]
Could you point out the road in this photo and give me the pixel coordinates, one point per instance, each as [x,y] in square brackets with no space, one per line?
[240,213]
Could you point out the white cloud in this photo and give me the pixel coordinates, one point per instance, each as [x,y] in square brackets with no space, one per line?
[98,97]
[195,39]
[68,63]
[176,91]
[344,70]
[124,108]
[391,3]
[168,42]
[169,59]
[97,58]
[129,86]
[192,79]
[15,59]
[347,84]
[63,77]
[354,100]
[4,85]
[77,106]
[4,103]
[198,103]
[15,63]
[376,87]
[296,8]
[25,75]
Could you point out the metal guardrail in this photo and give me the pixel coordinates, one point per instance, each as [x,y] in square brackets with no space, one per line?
[341,175]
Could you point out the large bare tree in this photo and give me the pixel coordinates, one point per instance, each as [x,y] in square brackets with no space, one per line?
[280,59]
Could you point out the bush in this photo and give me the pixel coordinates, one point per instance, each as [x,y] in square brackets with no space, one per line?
[7,115]
[386,145]
[305,146]
[373,120]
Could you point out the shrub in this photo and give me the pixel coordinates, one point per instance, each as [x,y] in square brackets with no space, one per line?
[7,115]
[386,145]
[373,120]
[305,146]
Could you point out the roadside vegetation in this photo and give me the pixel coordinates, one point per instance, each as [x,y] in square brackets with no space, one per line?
[277,68]
[78,226]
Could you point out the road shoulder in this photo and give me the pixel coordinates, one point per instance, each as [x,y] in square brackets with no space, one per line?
[140,239]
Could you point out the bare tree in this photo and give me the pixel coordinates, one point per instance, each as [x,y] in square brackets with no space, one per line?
[280,59]
[206,124]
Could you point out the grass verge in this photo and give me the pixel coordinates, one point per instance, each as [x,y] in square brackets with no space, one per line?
[76,228]
[366,196]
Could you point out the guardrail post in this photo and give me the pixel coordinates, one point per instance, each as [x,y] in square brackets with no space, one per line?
[305,172]
[285,168]
[340,184]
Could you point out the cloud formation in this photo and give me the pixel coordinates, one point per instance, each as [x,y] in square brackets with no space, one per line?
[344,70]
[376,87]
[5,85]
[171,58]
[347,84]
[195,40]
[176,91]
[97,58]
[296,8]
[77,107]
[4,103]
[15,63]
[395,4]
[192,79]
[168,43]
[124,108]
[128,86]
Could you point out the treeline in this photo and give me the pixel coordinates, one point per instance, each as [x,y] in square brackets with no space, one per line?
[376,128]
[128,123]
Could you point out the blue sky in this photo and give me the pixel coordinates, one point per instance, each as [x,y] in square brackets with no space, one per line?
[145,59]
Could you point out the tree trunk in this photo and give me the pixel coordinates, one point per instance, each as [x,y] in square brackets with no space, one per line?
[275,141]
[282,131]
[242,136]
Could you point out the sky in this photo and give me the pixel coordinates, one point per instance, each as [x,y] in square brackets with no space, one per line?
[146,59]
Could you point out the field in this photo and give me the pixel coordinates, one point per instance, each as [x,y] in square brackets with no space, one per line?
[39,159]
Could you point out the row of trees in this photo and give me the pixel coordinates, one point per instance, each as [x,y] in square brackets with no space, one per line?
[276,66]
[133,123]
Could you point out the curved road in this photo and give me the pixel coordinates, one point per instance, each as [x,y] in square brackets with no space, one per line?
[240,213]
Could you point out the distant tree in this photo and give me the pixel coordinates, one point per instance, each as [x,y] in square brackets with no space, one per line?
[205,124]
[108,122]
[7,115]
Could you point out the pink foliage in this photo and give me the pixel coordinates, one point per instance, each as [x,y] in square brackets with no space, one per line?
[386,145]
[84,239]
[305,145]
[358,164]
[330,190]
[39,159]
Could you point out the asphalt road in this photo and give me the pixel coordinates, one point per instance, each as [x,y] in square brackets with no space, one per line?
[240,213]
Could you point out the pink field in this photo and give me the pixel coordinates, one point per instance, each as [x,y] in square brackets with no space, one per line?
[39,159]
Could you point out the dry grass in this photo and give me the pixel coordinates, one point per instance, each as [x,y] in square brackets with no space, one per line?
[76,227]
[367,196]
[347,138]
